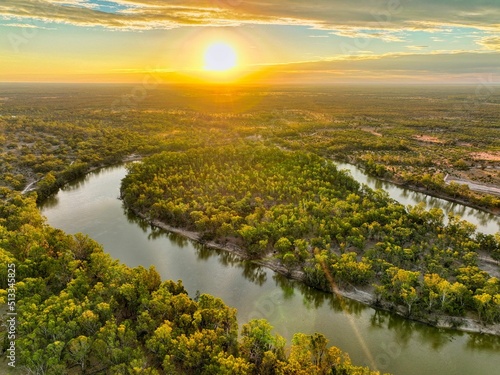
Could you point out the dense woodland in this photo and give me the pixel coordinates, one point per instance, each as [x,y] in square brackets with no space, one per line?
[412,135]
[268,186]
[299,209]
[79,311]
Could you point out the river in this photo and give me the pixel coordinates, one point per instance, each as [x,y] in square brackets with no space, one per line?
[380,340]
[485,222]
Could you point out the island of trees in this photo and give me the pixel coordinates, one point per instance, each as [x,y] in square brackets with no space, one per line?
[296,209]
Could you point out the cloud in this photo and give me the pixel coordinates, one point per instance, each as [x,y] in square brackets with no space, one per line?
[360,33]
[26,26]
[459,67]
[76,3]
[132,17]
[490,43]
[372,18]
[456,62]
[416,48]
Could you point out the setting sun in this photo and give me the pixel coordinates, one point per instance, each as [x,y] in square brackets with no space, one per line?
[220,57]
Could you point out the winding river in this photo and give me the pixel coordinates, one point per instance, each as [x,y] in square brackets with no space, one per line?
[378,339]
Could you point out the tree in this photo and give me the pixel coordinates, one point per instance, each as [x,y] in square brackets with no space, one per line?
[257,339]
[403,287]
[482,302]
[78,351]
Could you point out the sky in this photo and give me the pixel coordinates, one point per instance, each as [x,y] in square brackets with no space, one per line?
[289,41]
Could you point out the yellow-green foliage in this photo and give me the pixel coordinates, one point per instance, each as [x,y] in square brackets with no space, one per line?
[298,208]
[81,312]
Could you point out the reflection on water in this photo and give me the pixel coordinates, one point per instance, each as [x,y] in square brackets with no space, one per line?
[485,222]
[380,339]
[484,342]
[251,272]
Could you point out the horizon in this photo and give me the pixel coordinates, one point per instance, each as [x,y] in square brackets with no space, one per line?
[256,84]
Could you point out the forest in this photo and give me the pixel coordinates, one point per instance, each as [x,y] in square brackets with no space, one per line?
[251,167]
[434,132]
[297,208]
[80,311]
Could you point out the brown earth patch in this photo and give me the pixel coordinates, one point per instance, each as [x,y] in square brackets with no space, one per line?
[428,139]
[371,131]
[490,156]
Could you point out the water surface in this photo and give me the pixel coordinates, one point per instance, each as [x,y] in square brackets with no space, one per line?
[378,339]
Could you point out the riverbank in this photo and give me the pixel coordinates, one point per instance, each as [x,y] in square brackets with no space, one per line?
[257,293]
[420,189]
[32,185]
[363,296]
[441,195]
[135,157]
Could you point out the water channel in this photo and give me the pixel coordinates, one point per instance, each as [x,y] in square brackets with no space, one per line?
[378,339]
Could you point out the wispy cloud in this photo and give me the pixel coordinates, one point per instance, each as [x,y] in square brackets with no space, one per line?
[416,48]
[379,18]
[363,33]
[438,61]
[27,26]
[450,66]
[75,3]
[490,43]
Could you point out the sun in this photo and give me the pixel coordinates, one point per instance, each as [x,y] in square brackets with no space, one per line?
[220,57]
